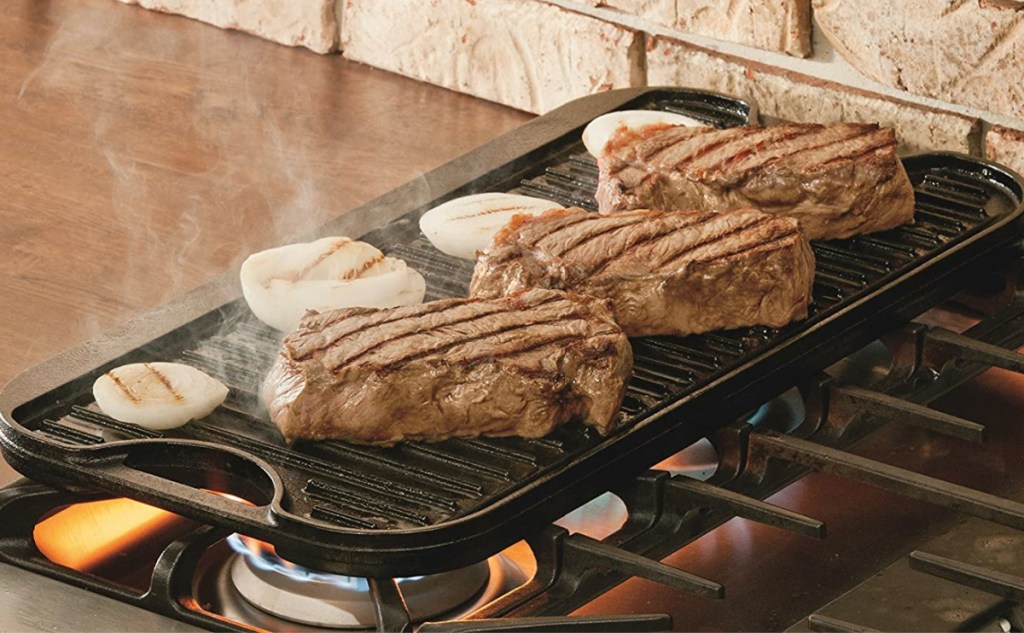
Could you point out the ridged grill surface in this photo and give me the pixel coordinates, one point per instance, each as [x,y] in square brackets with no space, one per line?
[417,484]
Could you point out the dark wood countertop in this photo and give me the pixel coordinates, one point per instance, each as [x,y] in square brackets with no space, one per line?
[142,154]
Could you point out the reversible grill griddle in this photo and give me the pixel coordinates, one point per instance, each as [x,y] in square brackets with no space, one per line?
[419,508]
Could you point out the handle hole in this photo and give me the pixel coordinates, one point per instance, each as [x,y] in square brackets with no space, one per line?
[206,469]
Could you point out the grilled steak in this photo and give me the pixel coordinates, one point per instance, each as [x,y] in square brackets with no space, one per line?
[838,180]
[665,273]
[520,365]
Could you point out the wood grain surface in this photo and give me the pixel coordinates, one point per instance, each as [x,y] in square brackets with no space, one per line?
[142,154]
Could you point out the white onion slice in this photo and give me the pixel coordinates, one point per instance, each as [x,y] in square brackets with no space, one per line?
[157,396]
[601,130]
[465,225]
[281,284]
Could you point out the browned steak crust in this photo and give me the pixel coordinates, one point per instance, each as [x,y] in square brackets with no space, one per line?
[837,180]
[519,365]
[665,273]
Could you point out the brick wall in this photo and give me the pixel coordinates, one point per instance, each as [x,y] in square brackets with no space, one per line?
[947,74]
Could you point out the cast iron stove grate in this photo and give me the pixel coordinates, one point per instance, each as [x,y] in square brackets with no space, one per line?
[418,508]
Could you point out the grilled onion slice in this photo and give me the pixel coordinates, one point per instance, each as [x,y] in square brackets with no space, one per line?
[601,130]
[157,396]
[465,225]
[281,284]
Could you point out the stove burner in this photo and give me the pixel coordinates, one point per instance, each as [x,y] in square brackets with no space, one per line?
[297,594]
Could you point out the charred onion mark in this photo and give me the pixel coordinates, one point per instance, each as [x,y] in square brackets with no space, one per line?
[164,381]
[356,273]
[123,387]
[515,207]
[299,274]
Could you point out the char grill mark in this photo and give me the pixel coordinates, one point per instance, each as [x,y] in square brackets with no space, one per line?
[664,232]
[689,148]
[123,387]
[877,141]
[603,229]
[767,246]
[680,138]
[164,380]
[359,271]
[756,245]
[411,327]
[821,138]
[711,160]
[565,222]
[783,145]
[521,332]
[715,240]
[536,344]
[345,322]
[558,225]
[319,259]
[525,318]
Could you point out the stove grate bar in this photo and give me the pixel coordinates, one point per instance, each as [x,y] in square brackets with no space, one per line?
[390,612]
[588,552]
[716,498]
[771,444]
[847,401]
[826,624]
[941,345]
[648,623]
[990,581]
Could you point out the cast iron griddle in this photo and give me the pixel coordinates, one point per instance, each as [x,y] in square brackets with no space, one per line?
[419,508]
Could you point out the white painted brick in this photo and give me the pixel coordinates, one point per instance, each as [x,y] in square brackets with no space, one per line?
[776,25]
[1006,145]
[797,97]
[526,54]
[969,52]
[309,23]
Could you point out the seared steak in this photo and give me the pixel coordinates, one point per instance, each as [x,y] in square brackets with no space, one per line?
[520,365]
[838,180]
[665,273]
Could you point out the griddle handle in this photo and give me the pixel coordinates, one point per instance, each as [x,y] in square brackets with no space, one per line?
[185,499]
[905,482]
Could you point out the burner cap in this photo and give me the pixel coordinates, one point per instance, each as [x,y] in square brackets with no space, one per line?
[343,601]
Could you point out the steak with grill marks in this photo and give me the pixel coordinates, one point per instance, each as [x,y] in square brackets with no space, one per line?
[519,365]
[665,273]
[837,180]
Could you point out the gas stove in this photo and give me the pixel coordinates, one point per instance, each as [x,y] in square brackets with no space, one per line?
[904,452]
[917,486]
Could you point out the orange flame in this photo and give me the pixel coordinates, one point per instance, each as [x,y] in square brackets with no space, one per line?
[86,536]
